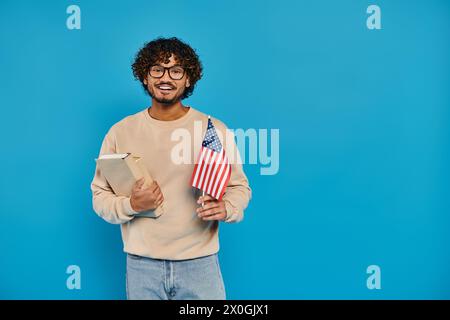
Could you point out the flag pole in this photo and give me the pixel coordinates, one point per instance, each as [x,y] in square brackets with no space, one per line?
[203,193]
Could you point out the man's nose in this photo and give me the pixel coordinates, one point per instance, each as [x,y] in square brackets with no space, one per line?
[166,77]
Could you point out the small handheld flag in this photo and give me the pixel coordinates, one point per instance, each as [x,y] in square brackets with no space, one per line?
[212,170]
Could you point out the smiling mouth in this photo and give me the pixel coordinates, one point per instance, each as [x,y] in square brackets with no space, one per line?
[165,87]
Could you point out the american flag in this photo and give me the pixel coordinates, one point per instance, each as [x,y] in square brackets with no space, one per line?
[212,170]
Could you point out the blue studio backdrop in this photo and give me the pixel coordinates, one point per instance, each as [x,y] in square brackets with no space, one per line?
[363,120]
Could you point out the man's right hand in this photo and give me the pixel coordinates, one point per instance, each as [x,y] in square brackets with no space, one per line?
[145,199]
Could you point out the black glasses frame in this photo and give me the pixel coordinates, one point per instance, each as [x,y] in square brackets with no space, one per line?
[166,69]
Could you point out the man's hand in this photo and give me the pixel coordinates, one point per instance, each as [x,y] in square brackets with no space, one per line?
[212,209]
[145,199]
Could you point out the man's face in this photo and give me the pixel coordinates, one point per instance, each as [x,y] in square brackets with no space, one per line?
[166,90]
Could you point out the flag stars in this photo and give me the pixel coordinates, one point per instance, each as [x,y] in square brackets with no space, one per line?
[211,139]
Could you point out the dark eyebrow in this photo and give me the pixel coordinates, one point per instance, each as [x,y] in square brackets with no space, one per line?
[175,65]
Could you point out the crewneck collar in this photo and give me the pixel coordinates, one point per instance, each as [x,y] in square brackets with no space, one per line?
[169,123]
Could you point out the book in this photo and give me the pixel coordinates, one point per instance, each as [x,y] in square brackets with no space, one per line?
[122,170]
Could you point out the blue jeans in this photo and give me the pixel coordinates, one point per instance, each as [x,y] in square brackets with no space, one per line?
[192,279]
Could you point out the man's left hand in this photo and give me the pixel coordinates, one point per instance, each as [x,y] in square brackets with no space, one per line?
[212,208]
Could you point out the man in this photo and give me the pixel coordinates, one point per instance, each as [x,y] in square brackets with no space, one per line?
[173,256]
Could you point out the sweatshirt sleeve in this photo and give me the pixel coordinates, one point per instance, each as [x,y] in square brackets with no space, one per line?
[112,208]
[238,192]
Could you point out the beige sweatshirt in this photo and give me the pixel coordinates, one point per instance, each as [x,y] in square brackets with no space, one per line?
[169,150]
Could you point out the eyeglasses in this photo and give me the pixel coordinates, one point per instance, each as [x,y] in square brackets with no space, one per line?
[175,72]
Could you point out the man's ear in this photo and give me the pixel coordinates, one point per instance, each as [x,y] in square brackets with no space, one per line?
[145,81]
[188,84]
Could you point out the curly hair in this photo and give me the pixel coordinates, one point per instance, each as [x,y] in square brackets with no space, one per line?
[159,51]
